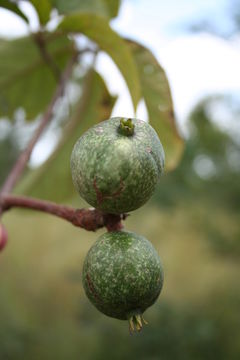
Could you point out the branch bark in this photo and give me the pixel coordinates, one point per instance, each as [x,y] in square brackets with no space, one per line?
[21,162]
[39,39]
[88,219]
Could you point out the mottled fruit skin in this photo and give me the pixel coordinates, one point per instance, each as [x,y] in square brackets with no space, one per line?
[122,274]
[114,172]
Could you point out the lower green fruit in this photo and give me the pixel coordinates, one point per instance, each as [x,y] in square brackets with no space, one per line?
[123,276]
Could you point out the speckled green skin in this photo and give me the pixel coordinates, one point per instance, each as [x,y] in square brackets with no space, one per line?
[122,274]
[114,172]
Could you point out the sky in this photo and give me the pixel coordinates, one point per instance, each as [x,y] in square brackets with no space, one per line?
[197,64]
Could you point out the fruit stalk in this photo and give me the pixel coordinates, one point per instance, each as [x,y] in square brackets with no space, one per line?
[88,219]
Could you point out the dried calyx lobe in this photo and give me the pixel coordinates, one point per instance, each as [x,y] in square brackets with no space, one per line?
[117,164]
[123,276]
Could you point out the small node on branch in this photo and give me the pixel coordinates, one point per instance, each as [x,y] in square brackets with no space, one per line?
[88,219]
[114,222]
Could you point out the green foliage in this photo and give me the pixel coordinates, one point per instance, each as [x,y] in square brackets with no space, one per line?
[43,8]
[217,191]
[9,5]
[29,83]
[107,8]
[157,96]
[97,29]
[209,141]
[113,6]
[180,332]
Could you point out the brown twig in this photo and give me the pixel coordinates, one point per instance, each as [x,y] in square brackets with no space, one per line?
[19,166]
[40,41]
[88,219]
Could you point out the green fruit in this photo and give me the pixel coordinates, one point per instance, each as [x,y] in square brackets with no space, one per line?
[117,164]
[123,276]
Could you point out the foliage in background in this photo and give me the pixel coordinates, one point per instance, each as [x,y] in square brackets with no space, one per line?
[193,219]
[209,173]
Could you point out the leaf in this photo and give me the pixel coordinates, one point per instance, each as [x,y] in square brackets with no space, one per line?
[113,6]
[6,4]
[53,179]
[158,100]
[26,80]
[97,29]
[107,8]
[43,8]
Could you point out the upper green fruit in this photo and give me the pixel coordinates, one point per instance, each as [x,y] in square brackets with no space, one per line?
[117,164]
[122,276]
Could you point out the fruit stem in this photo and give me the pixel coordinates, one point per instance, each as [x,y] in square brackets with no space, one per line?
[88,219]
[126,127]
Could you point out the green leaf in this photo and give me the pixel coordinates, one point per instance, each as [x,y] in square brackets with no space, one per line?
[43,8]
[53,179]
[108,8]
[26,80]
[98,30]
[158,100]
[6,4]
[113,7]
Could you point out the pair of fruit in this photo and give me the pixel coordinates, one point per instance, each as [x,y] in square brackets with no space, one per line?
[115,167]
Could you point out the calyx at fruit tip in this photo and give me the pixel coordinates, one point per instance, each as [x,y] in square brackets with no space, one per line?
[126,127]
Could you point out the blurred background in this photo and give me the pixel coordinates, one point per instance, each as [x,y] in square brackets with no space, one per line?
[193,219]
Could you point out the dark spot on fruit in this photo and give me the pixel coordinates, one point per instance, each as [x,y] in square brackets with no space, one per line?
[92,288]
[101,197]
